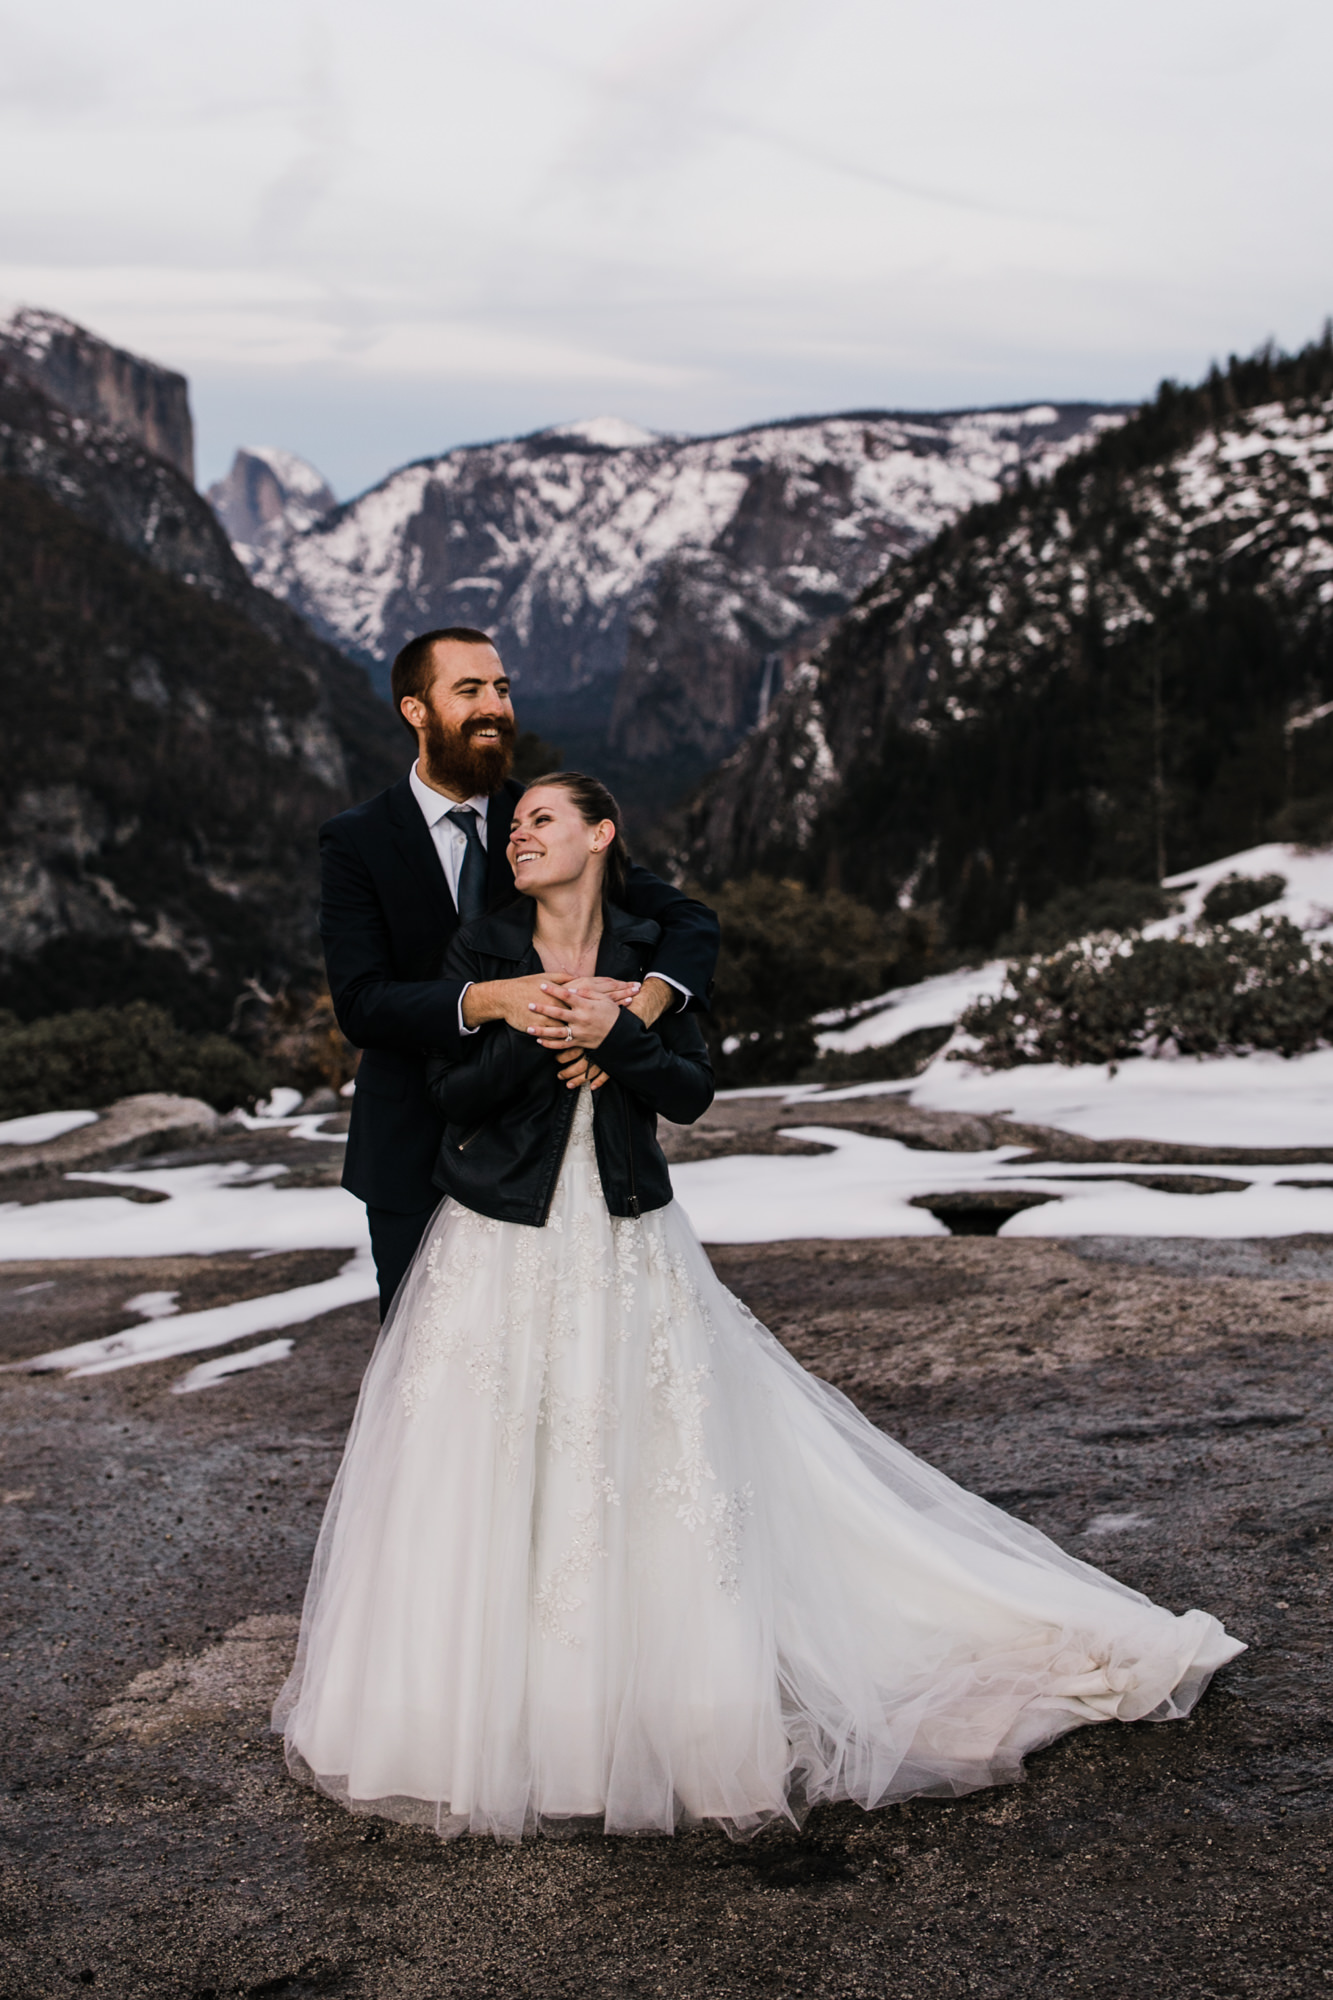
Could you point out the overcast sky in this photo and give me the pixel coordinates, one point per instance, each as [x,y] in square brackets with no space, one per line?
[369,232]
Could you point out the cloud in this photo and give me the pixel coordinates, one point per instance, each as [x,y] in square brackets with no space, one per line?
[289,202]
[696,212]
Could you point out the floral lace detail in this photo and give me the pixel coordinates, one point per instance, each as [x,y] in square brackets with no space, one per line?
[729,1513]
[558,1598]
[576,1428]
[513,1309]
[681,1403]
[453,1257]
[627,1237]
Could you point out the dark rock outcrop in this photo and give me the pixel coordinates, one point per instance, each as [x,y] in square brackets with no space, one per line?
[119,392]
[170,736]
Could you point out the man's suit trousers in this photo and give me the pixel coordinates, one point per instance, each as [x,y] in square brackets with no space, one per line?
[393,1241]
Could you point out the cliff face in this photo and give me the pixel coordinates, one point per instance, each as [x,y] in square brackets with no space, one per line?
[267,497]
[115,485]
[170,737]
[119,392]
[1118,673]
[647,592]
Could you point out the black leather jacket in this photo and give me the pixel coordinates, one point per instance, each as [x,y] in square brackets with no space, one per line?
[508,1115]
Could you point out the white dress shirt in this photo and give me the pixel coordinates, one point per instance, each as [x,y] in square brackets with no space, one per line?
[450,844]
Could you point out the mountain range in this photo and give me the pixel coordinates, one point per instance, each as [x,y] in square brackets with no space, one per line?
[650,594]
[1118,672]
[170,736]
[952,663]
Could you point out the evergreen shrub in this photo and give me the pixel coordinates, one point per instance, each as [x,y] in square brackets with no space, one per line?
[87,1059]
[1105,905]
[789,952]
[1216,991]
[1236,895]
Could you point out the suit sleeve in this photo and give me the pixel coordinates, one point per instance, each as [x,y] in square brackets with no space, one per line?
[666,1066]
[375,1009]
[687,953]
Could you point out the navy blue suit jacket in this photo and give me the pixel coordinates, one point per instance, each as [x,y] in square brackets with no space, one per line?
[386,918]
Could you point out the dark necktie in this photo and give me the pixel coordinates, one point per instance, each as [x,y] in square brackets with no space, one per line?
[472,875]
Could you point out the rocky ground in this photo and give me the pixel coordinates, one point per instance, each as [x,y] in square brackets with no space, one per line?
[1162,1409]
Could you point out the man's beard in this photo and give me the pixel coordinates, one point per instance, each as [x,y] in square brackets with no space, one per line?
[456,762]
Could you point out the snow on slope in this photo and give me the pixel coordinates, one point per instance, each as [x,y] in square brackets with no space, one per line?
[558,542]
[1005,610]
[1258,1100]
[1307,902]
[1256,488]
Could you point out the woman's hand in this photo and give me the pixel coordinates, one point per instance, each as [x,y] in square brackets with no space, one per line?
[581,1013]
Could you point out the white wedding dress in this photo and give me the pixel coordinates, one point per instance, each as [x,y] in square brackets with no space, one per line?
[600,1550]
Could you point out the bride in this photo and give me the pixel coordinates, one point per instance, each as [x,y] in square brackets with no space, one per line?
[599,1549]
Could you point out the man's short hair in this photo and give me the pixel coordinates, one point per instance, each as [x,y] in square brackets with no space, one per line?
[414,669]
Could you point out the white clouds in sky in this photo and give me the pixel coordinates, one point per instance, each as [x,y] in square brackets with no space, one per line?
[369,232]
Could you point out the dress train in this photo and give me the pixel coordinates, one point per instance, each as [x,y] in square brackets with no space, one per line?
[600,1549]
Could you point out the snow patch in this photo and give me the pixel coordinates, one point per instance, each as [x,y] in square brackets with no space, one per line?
[216,1326]
[865,1187]
[1261,1100]
[1116,1524]
[613,433]
[219,1206]
[931,1003]
[42,1126]
[209,1372]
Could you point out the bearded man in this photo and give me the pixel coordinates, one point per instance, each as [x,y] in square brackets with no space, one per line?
[399,875]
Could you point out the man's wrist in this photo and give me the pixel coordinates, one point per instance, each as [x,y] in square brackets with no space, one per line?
[653,998]
[478,1004]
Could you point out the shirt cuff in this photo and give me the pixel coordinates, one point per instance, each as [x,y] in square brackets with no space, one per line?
[685,994]
[463,1028]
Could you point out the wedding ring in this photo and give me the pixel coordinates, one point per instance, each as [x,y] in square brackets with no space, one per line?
[569,1032]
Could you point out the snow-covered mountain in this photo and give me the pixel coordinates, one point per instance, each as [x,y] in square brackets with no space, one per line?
[650,591]
[1124,670]
[267,497]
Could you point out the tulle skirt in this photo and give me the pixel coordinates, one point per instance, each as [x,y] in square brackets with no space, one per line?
[599,1550]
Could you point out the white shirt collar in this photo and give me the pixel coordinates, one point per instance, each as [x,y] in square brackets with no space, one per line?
[434,805]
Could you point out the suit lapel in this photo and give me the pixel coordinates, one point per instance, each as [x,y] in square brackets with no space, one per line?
[411,837]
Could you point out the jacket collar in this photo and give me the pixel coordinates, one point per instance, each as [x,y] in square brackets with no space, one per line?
[507,933]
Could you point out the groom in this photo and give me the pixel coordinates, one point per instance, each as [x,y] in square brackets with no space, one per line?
[399,874]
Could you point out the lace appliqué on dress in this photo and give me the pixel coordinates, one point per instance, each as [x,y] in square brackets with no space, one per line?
[515,1309]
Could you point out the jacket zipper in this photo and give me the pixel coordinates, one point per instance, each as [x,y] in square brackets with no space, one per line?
[629,1152]
[463,1144]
